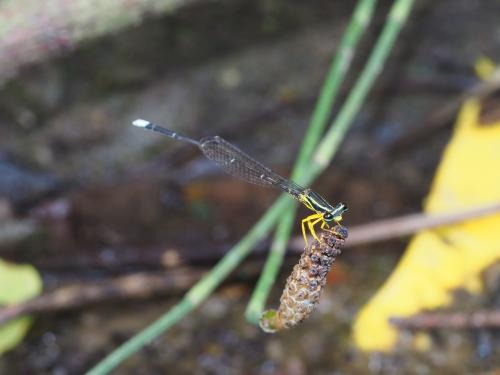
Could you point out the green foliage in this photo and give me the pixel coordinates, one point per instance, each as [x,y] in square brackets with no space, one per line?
[17,284]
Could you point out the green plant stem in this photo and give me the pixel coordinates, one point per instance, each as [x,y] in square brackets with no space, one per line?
[229,262]
[361,17]
[199,292]
[326,150]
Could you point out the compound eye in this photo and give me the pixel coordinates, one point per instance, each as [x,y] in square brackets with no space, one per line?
[328,217]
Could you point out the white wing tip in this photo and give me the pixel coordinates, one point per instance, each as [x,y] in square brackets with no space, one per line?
[140,123]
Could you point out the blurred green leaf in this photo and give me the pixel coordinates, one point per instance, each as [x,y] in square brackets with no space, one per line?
[17,284]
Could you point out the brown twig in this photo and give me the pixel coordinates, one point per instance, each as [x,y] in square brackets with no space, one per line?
[174,256]
[405,225]
[456,320]
[147,284]
[137,286]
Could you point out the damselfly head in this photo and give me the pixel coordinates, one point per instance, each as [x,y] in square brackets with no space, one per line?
[336,213]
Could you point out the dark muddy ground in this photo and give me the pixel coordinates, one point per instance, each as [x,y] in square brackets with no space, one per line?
[107,198]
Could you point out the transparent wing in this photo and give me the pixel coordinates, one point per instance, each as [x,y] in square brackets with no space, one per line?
[238,164]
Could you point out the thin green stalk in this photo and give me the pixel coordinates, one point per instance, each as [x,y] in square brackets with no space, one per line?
[326,150]
[198,293]
[230,261]
[361,17]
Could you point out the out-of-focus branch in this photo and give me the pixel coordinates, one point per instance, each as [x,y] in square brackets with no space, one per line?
[456,320]
[148,284]
[32,30]
[137,286]
[406,225]
[376,231]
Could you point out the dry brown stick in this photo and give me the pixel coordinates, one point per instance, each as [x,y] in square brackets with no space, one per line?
[454,320]
[406,225]
[175,257]
[32,30]
[137,286]
[147,284]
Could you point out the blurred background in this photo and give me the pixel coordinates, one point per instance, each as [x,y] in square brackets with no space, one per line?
[118,223]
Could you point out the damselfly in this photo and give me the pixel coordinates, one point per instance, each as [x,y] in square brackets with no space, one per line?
[237,163]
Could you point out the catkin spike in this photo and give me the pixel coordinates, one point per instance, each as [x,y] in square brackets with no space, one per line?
[304,286]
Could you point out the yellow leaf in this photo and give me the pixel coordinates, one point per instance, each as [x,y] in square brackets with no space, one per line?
[439,261]
[485,68]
